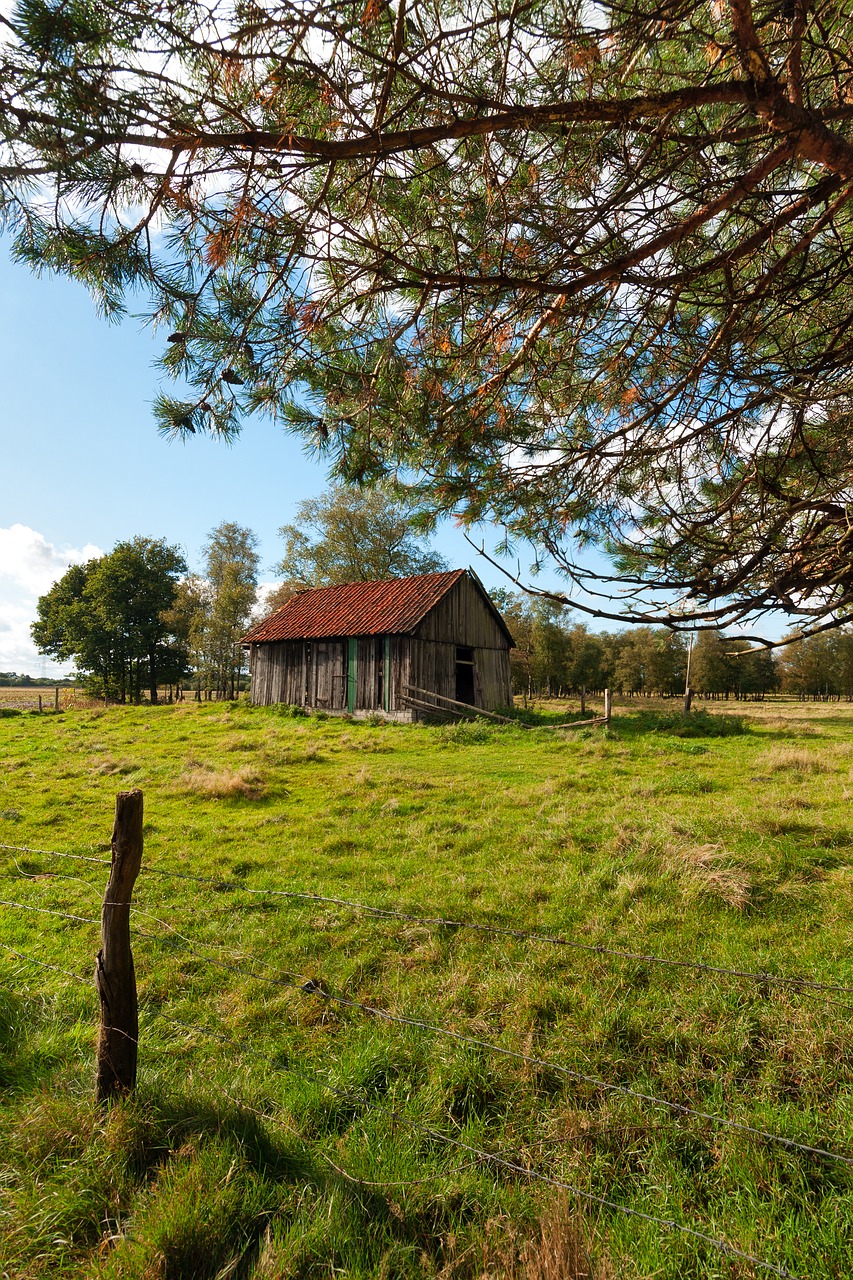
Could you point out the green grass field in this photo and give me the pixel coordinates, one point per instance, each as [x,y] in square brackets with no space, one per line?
[278,1132]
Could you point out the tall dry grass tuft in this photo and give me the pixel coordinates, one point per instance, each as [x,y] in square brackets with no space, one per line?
[792,760]
[557,1251]
[709,868]
[221,784]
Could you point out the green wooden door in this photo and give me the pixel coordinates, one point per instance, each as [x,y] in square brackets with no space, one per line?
[352,672]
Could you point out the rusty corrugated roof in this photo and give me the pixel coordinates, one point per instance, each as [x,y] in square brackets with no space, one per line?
[394,606]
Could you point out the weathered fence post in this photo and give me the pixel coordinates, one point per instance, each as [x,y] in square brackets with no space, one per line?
[114,976]
[39,702]
[56,698]
[608,707]
[688,692]
[583,699]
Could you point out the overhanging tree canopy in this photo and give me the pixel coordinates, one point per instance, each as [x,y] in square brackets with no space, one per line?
[583,268]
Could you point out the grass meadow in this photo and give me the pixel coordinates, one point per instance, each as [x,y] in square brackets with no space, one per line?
[280,1129]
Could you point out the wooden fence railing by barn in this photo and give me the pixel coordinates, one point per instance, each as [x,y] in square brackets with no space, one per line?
[437,704]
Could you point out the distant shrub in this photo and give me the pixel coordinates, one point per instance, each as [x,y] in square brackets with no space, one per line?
[698,724]
[466,733]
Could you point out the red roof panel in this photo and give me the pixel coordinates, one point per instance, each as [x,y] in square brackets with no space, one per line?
[395,606]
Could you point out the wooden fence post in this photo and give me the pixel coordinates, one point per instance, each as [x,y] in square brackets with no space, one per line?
[608,707]
[56,698]
[114,975]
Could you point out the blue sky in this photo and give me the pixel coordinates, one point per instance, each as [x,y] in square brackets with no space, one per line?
[83,465]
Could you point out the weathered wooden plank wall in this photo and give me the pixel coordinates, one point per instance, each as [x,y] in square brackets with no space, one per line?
[463,617]
[328,677]
[493,677]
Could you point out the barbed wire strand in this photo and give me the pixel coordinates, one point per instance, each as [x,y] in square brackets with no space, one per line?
[532,935]
[677,1108]
[66,915]
[22,955]
[670,1224]
[802,985]
[480,1154]
[761,976]
[47,911]
[311,987]
[56,853]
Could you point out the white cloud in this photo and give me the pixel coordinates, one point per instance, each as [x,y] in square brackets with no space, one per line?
[29,566]
[30,562]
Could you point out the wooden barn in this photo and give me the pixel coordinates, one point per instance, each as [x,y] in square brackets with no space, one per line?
[378,647]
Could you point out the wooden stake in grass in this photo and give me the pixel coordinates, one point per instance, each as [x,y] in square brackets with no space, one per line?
[114,975]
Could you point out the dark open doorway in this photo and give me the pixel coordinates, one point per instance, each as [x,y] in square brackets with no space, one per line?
[465,691]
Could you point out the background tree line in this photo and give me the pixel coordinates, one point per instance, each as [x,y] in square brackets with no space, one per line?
[137,620]
[556,655]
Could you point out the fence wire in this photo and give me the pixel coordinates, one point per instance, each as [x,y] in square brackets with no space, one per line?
[496,1159]
[792,982]
[42,964]
[309,986]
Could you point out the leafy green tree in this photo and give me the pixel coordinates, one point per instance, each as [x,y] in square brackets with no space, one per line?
[550,647]
[551,654]
[753,669]
[586,659]
[111,616]
[231,573]
[710,670]
[582,268]
[187,621]
[651,661]
[70,626]
[815,667]
[352,535]
[515,609]
[726,665]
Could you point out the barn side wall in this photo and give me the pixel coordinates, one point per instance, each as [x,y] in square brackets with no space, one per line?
[278,673]
[327,685]
[313,673]
[301,673]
